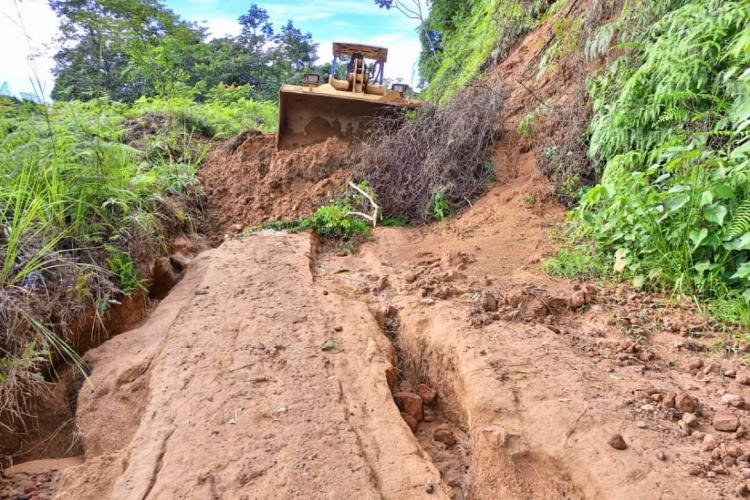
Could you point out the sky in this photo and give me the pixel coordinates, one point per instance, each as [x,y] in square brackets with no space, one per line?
[28,28]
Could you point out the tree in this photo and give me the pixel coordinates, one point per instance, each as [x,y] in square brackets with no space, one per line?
[122,49]
[295,50]
[413,9]
[256,29]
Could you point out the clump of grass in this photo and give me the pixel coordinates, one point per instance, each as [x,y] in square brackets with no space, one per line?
[83,204]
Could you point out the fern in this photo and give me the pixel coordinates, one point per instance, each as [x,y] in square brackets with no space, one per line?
[740,221]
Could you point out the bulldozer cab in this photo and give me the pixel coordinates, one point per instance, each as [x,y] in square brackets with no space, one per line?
[342,107]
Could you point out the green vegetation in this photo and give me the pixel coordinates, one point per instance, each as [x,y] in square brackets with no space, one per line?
[670,132]
[334,221]
[460,37]
[127,50]
[89,190]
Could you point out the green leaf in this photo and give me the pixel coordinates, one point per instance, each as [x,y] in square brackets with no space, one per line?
[746,295]
[716,213]
[639,281]
[723,191]
[697,237]
[677,202]
[706,198]
[743,272]
[704,266]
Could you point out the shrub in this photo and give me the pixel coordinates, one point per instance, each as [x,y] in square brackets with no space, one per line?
[436,162]
[670,126]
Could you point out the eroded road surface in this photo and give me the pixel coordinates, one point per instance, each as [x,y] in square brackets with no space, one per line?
[226,392]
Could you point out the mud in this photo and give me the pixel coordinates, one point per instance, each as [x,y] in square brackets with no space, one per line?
[248,182]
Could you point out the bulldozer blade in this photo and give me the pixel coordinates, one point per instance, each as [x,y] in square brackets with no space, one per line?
[308,116]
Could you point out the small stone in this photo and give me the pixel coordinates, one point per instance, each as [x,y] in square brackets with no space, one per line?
[740,432]
[429,488]
[695,364]
[489,302]
[661,456]
[732,400]
[410,403]
[734,450]
[328,345]
[726,421]
[690,419]
[728,461]
[742,490]
[410,277]
[743,377]
[694,470]
[578,299]
[617,442]
[745,472]
[410,421]
[669,400]
[712,368]
[444,435]
[709,443]
[685,402]
[641,424]
[237,228]
[382,283]
[731,373]
[427,393]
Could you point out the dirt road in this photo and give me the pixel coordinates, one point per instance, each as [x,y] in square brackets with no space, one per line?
[268,372]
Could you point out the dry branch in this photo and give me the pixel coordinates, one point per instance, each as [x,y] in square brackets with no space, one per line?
[437,150]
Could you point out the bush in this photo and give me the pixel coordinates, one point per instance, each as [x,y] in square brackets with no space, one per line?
[436,161]
[670,126]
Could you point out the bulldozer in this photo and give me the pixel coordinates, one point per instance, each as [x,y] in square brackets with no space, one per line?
[314,111]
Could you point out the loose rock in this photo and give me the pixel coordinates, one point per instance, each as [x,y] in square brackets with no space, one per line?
[685,402]
[410,403]
[709,443]
[427,393]
[690,419]
[617,442]
[410,421]
[489,302]
[726,421]
[444,435]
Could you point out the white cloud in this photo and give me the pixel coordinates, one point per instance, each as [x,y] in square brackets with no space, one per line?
[219,26]
[27,30]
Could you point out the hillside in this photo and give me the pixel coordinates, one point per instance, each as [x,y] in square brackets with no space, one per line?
[552,304]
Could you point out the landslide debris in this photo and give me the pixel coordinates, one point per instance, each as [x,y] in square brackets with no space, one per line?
[247,182]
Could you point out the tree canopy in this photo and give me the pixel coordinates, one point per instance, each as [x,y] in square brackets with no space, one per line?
[124,49]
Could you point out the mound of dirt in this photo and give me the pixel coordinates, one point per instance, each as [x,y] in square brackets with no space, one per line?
[248,182]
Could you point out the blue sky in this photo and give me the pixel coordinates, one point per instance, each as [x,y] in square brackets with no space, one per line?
[328,20]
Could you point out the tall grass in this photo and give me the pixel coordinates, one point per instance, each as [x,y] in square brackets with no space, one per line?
[80,206]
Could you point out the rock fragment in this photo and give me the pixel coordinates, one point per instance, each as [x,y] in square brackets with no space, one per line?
[445,435]
[685,402]
[617,442]
[726,421]
[427,393]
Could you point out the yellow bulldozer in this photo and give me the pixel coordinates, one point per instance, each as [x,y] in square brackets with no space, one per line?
[312,112]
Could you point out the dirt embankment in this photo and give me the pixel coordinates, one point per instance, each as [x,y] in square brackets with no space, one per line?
[248,182]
